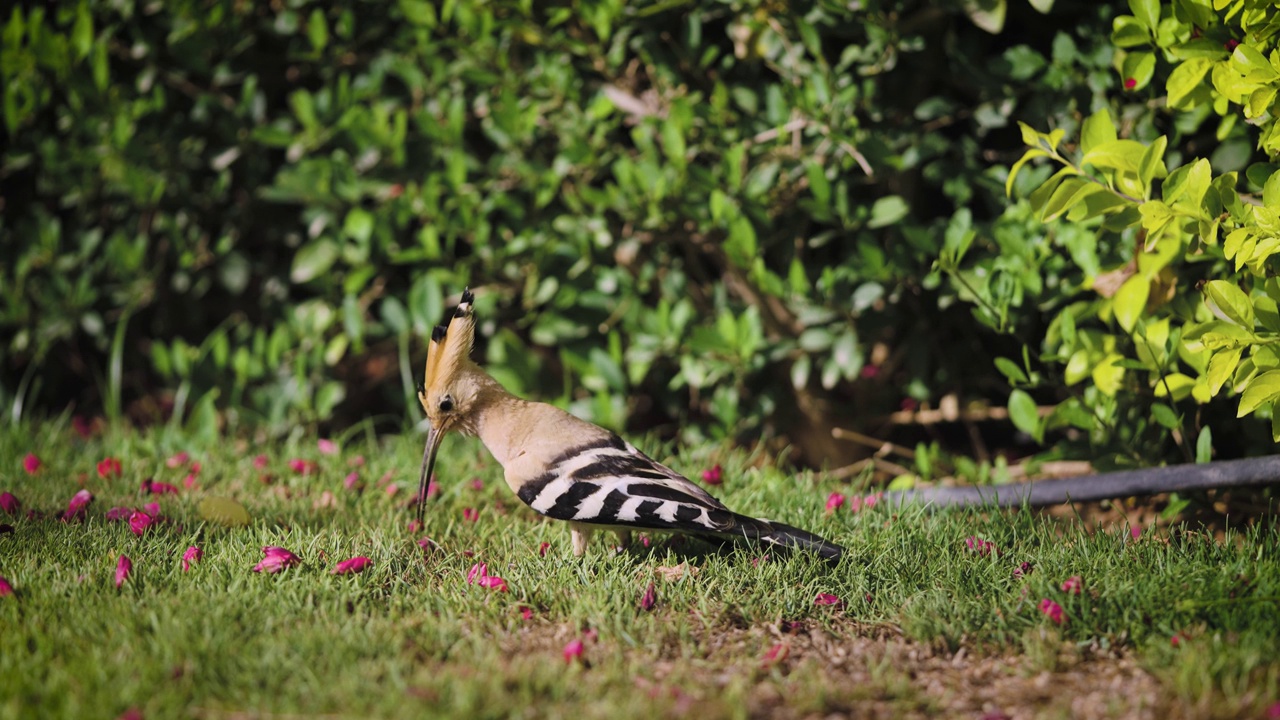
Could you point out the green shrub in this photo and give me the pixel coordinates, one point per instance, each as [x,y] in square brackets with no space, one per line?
[1184,307]
[714,220]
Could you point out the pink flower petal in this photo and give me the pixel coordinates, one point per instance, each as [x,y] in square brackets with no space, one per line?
[124,566]
[433,488]
[977,545]
[470,514]
[5,588]
[1024,569]
[195,468]
[353,565]
[649,598]
[352,481]
[276,559]
[415,526]
[192,555]
[493,582]
[714,475]
[476,572]
[777,653]
[77,505]
[477,484]
[177,460]
[543,548]
[1176,640]
[31,464]
[526,612]
[132,713]
[259,462]
[327,446]
[152,509]
[302,467]
[1135,532]
[189,482]
[827,599]
[871,500]
[1052,610]
[116,514]
[108,468]
[1072,585]
[162,488]
[82,425]
[357,461]
[1273,712]
[855,503]
[139,522]
[9,503]
[573,651]
[834,501]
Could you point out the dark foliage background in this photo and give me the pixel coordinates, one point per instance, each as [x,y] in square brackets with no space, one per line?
[712,220]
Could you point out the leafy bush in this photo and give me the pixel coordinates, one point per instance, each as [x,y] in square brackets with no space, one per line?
[1182,305]
[717,221]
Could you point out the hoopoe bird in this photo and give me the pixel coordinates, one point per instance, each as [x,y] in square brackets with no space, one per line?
[567,468]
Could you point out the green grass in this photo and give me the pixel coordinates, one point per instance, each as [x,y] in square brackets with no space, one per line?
[410,638]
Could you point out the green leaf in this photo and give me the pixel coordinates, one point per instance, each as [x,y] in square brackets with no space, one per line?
[1152,164]
[82,31]
[1123,155]
[1024,413]
[986,14]
[1127,31]
[1137,69]
[741,243]
[358,225]
[223,511]
[1098,128]
[1163,415]
[313,260]
[1071,192]
[1130,301]
[1229,303]
[1263,389]
[317,30]
[1147,12]
[1184,79]
[1222,366]
[1010,369]
[1028,156]
[887,211]
[1204,445]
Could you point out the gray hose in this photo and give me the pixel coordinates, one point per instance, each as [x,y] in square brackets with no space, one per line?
[1088,488]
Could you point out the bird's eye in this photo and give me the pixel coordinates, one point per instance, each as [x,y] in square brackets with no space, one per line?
[446,404]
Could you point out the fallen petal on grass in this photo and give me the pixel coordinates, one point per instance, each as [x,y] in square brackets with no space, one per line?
[259,462]
[1072,585]
[276,559]
[193,554]
[177,460]
[353,565]
[5,588]
[124,566]
[977,545]
[649,598]
[493,582]
[543,548]
[9,503]
[476,572]
[352,481]
[573,651]
[140,521]
[1024,569]
[76,506]
[108,468]
[1052,610]
[827,599]
[31,463]
[327,446]
[777,653]
[470,514]
[834,501]
[713,475]
[526,612]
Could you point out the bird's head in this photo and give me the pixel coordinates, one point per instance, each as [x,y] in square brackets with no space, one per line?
[451,386]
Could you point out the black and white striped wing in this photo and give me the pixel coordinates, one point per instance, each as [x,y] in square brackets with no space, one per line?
[610,482]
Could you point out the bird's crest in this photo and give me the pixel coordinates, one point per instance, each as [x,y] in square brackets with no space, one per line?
[450,346]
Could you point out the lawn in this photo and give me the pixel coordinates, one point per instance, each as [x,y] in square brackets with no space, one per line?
[959,613]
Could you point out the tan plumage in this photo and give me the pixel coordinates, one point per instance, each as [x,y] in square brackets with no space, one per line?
[565,467]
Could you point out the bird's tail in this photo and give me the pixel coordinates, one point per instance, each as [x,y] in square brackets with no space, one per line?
[776,533]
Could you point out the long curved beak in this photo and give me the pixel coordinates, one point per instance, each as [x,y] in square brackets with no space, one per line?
[434,437]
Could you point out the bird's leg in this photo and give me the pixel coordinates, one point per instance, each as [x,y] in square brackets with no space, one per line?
[580,534]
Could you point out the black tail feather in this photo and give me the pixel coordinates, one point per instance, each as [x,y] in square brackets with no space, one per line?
[776,533]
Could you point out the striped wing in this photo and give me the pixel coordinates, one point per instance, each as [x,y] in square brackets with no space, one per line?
[610,482]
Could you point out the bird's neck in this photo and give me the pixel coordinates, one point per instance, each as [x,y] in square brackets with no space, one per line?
[498,418]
